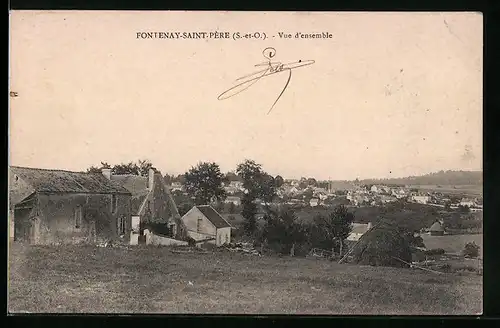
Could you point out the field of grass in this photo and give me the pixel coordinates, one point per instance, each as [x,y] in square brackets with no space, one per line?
[79,279]
[453,243]
[466,190]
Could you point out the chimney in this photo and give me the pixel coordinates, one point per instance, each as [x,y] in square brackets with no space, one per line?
[151,178]
[106,173]
[369,225]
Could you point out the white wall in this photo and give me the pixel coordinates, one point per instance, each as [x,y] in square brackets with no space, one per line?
[152,239]
[222,234]
[135,223]
[200,236]
[190,220]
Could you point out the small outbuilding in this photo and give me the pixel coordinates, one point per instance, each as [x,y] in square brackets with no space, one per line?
[205,224]
[436,229]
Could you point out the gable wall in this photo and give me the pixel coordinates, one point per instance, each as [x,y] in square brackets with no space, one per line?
[190,220]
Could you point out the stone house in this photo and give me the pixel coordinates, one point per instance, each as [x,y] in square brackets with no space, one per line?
[152,203]
[205,224]
[58,207]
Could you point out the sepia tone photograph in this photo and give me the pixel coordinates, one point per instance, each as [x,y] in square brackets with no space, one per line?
[183,162]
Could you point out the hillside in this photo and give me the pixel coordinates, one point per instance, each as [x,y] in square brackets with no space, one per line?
[445,178]
[76,279]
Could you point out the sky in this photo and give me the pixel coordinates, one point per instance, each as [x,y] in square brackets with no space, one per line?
[389,95]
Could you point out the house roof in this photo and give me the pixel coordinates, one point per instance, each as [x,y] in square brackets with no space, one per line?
[236,217]
[137,185]
[360,228]
[59,181]
[213,216]
[436,227]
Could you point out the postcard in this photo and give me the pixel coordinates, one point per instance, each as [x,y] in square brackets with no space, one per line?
[252,163]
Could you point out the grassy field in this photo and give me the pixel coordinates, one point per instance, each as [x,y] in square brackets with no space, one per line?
[155,280]
[466,190]
[452,243]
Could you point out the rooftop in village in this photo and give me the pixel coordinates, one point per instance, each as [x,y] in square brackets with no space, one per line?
[61,181]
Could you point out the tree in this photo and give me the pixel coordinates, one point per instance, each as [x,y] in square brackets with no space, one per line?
[312,182]
[248,171]
[257,184]
[232,208]
[168,179]
[324,184]
[337,225]
[232,176]
[414,241]
[129,168]
[94,169]
[303,183]
[140,168]
[181,178]
[267,188]
[144,166]
[279,181]
[282,231]
[184,208]
[204,183]
[249,212]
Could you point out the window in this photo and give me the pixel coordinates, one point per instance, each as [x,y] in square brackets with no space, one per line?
[114,203]
[220,239]
[227,238]
[121,225]
[78,217]
[172,230]
[198,225]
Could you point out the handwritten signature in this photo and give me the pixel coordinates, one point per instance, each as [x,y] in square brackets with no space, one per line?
[271,68]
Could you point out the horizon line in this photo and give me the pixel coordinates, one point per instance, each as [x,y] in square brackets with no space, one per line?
[284,178]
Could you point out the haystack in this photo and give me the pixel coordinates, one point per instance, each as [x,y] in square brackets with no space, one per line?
[382,246]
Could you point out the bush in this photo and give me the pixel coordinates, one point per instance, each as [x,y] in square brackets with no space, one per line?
[161,229]
[191,241]
[471,250]
[237,235]
[435,251]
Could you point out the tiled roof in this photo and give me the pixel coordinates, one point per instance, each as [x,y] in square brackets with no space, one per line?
[137,185]
[213,216]
[59,181]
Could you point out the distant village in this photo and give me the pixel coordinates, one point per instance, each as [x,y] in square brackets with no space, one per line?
[299,192]
[56,206]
